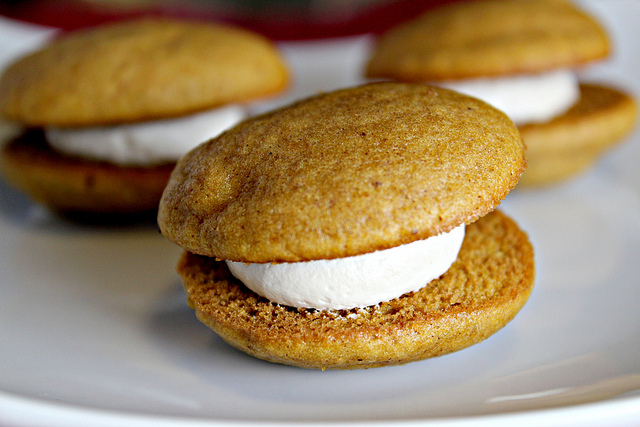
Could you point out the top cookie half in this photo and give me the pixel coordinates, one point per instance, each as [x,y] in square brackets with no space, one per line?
[343,173]
[139,70]
[470,39]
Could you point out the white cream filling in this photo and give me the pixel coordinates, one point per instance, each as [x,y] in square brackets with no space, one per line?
[146,143]
[524,98]
[357,281]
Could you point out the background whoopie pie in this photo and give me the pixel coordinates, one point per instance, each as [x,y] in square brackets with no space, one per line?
[109,110]
[520,56]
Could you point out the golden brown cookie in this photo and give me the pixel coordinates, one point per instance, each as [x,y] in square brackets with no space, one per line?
[482,291]
[346,173]
[470,39]
[70,185]
[139,70]
[572,142]
[341,174]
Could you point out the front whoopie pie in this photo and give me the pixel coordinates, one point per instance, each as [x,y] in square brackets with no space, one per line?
[303,227]
[109,110]
[519,56]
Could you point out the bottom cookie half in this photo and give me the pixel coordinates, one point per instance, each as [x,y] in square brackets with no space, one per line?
[482,291]
[74,186]
[570,144]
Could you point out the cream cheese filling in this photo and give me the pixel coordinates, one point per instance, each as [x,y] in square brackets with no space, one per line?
[145,143]
[524,98]
[357,281]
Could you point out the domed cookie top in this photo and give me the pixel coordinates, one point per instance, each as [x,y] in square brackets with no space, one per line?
[488,38]
[139,70]
[343,173]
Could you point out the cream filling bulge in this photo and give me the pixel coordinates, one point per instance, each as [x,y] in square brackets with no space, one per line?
[145,143]
[524,98]
[357,281]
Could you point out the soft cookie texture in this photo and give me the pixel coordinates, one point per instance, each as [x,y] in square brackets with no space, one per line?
[139,70]
[482,291]
[341,174]
[126,72]
[495,38]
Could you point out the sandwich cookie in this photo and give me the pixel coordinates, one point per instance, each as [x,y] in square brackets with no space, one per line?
[520,56]
[354,229]
[111,109]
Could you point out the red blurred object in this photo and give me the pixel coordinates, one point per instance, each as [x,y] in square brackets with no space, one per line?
[278,20]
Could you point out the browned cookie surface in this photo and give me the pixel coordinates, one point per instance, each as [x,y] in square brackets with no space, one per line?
[482,291]
[487,38]
[70,185]
[139,70]
[343,173]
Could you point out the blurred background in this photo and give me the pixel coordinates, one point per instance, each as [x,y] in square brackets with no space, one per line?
[276,19]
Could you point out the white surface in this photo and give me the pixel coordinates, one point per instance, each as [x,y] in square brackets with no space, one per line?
[146,143]
[525,98]
[18,39]
[356,281]
[94,329]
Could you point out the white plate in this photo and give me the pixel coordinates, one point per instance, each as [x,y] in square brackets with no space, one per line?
[94,329]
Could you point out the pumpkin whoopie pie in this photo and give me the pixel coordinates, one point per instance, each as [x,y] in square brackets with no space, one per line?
[109,110]
[331,233]
[520,56]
